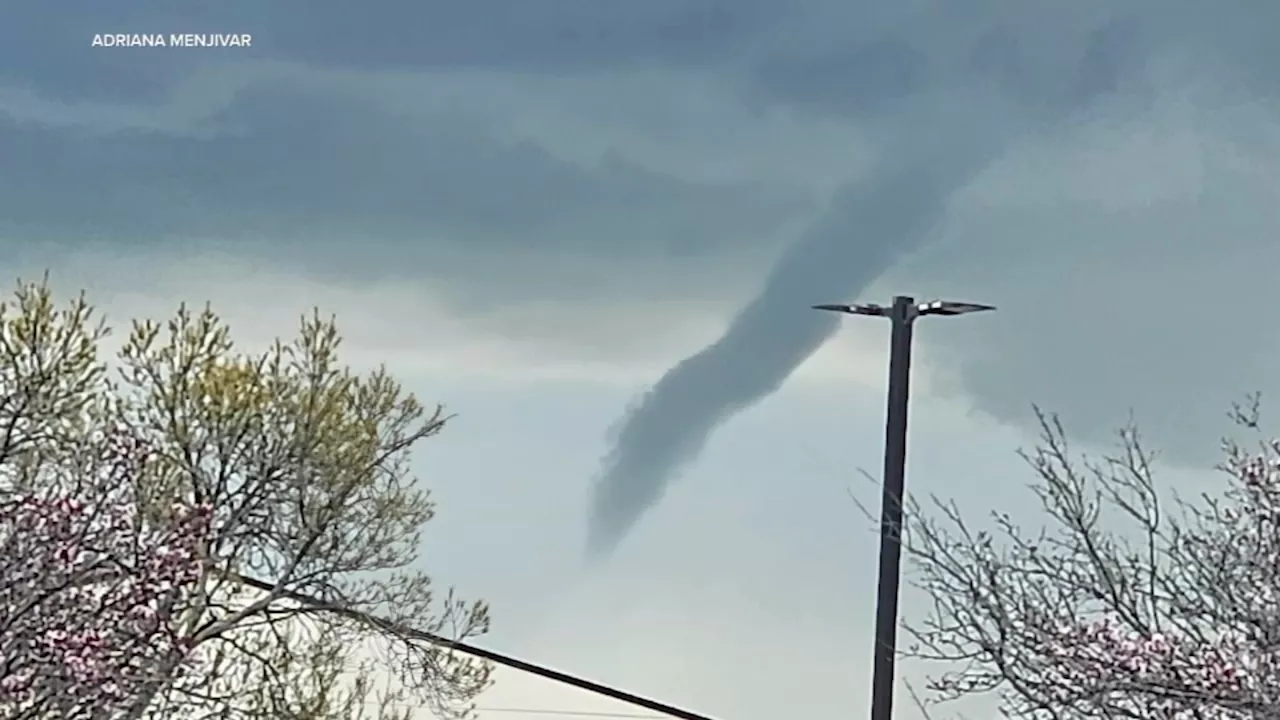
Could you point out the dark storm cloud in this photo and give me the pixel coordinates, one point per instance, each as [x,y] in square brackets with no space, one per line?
[1161,306]
[49,48]
[1105,62]
[312,171]
[304,169]
[856,79]
[565,35]
[871,224]
[311,166]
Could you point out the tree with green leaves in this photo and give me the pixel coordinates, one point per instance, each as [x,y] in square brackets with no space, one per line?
[304,465]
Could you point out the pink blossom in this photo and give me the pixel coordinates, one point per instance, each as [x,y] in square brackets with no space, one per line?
[1122,607]
[87,591]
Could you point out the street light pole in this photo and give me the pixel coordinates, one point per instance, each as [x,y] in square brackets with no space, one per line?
[902,315]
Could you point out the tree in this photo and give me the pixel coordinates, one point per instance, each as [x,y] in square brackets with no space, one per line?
[304,466]
[1131,602]
[87,589]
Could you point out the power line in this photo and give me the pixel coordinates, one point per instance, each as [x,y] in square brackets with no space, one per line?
[507,660]
[566,713]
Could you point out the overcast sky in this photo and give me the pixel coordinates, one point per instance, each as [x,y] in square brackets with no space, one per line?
[530,209]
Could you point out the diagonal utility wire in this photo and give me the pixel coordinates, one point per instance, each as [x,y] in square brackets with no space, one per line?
[507,660]
[566,713]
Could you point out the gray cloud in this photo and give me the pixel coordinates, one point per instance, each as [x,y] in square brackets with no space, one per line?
[315,178]
[869,227]
[287,153]
[1139,282]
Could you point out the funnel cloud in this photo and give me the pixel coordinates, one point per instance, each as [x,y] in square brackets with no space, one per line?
[941,138]
[870,224]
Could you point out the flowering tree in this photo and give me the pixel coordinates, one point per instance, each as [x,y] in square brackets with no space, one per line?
[1130,603]
[88,588]
[303,468]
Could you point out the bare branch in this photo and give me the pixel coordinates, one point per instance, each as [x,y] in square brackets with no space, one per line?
[1116,608]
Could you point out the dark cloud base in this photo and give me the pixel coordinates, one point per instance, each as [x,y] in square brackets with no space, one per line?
[328,181]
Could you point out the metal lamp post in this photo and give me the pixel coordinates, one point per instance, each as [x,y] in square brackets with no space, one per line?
[902,314]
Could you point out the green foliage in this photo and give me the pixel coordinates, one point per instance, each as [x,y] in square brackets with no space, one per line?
[306,466]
